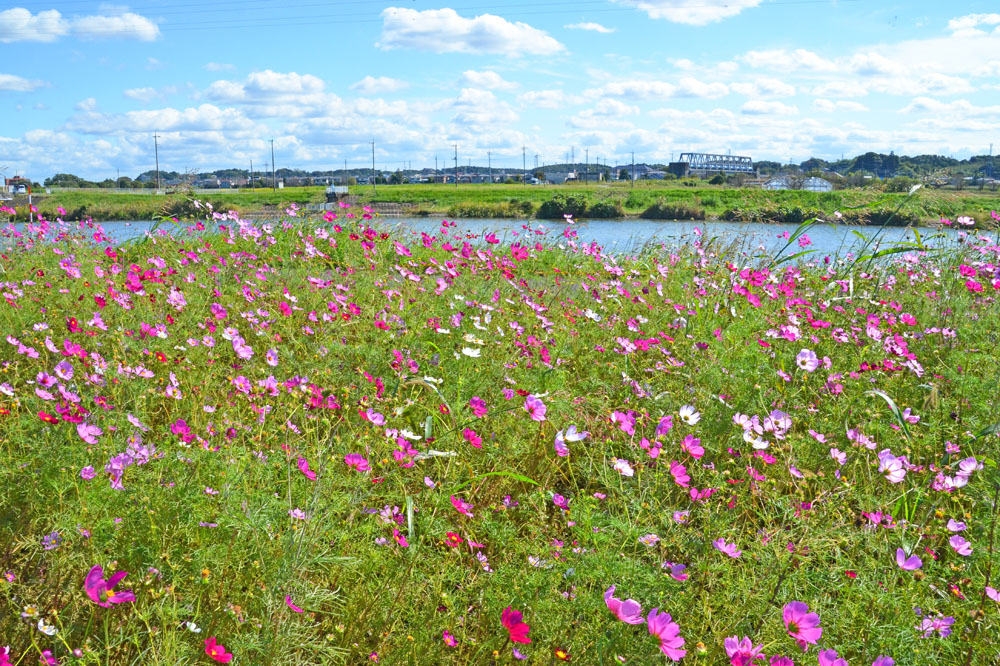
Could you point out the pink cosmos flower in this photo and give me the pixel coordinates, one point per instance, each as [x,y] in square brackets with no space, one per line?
[89,433]
[729,549]
[100,591]
[400,539]
[478,406]
[472,438]
[516,629]
[781,661]
[667,632]
[679,472]
[955,526]
[304,468]
[535,408]
[628,611]
[217,651]
[830,658]
[288,602]
[961,546]
[462,506]
[807,360]
[884,660]
[676,571]
[87,473]
[448,639]
[802,625]
[560,445]
[993,594]
[357,461]
[742,652]
[692,446]
[905,563]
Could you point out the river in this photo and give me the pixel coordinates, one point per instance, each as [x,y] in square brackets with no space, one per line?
[624,236]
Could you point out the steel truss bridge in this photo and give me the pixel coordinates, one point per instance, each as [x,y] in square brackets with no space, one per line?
[708,163]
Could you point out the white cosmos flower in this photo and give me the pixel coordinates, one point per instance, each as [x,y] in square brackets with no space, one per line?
[623,467]
[689,415]
[470,352]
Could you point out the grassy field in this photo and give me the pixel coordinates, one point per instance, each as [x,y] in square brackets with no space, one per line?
[670,200]
[329,444]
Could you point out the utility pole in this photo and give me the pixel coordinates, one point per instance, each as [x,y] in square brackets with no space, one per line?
[251,176]
[489,164]
[156,148]
[274,183]
[586,173]
[435,164]
[374,190]
[633,168]
[536,160]
[118,178]
[524,164]
[456,165]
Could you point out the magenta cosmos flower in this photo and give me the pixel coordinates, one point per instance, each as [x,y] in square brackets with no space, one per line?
[729,549]
[628,611]
[535,408]
[802,625]
[357,461]
[517,630]
[905,563]
[100,591]
[668,633]
[831,658]
[742,652]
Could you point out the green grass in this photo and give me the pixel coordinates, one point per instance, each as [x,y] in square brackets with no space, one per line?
[360,328]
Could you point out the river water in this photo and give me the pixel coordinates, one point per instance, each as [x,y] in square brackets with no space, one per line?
[625,236]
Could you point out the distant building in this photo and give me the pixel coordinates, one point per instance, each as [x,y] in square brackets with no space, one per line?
[559,177]
[778,183]
[817,185]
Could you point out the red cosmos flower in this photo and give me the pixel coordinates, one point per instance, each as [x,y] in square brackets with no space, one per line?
[453,539]
[217,651]
[518,631]
[48,418]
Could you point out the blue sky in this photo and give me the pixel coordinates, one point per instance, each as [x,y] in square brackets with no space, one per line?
[84,85]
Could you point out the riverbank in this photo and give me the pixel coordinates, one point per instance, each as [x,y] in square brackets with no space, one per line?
[650,200]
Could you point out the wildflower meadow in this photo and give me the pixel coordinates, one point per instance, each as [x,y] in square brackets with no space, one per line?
[326,440]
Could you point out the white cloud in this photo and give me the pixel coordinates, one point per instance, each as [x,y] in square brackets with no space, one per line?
[20,25]
[206,117]
[141,94]
[123,26]
[691,87]
[785,60]
[218,67]
[840,89]
[828,106]
[444,31]
[960,108]
[371,85]
[968,25]
[765,87]
[691,12]
[593,27]
[756,107]
[266,86]
[873,64]
[546,99]
[488,80]
[18,84]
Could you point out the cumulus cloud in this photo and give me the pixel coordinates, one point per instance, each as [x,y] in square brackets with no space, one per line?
[829,106]
[840,89]
[691,12]
[785,60]
[765,87]
[593,27]
[372,85]
[18,84]
[969,24]
[266,86]
[445,31]
[640,90]
[756,107]
[546,99]
[123,26]
[20,25]
[961,108]
[488,80]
